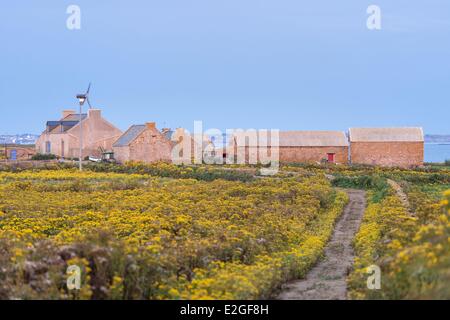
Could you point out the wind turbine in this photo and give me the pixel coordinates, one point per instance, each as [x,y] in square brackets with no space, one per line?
[82,98]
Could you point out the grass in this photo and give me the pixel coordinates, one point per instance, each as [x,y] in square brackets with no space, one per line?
[376,183]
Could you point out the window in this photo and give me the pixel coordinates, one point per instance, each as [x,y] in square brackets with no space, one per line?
[48,147]
[13,155]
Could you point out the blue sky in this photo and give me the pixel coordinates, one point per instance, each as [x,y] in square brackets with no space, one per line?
[285,64]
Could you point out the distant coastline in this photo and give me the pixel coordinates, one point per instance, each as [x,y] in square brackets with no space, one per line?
[27,138]
[438,143]
[443,139]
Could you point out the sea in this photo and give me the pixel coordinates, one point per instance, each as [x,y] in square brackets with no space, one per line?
[435,152]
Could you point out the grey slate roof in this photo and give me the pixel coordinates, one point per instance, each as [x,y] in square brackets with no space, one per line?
[168,134]
[386,134]
[65,124]
[132,133]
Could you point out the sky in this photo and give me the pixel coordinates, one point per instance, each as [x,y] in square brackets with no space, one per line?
[273,64]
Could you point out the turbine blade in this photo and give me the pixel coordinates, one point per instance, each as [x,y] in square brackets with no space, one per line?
[89,103]
[88,89]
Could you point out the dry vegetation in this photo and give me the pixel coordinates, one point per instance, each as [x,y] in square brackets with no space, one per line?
[138,236]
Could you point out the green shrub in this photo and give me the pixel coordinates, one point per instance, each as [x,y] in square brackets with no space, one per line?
[376,183]
[167,170]
[41,156]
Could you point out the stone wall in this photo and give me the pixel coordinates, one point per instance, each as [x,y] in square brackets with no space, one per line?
[390,154]
[56,143]
[122,154]
[313,154]
[97,132]
[299,154]
[22,152]
[150,146]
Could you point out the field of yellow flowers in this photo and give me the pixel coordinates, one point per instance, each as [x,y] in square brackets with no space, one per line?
[410,243]
[202,235]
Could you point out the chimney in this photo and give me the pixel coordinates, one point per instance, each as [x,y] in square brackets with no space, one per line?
[151,125]
[180,132]
[95,113]
[67,113]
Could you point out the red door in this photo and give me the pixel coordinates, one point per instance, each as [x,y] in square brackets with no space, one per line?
[331,157]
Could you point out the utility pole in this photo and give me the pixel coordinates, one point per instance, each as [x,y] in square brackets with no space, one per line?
[82,98]
[81,139]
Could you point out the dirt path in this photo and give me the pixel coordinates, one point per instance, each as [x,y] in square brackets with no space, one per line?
[327,280]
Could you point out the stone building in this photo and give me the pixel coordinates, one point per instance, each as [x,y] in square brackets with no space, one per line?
[145,143]
[200,147]
[393,147]
[295,146]
[17,152]
[61,137]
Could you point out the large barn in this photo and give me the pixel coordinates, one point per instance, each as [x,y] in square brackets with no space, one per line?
[392,147]
[295,146]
